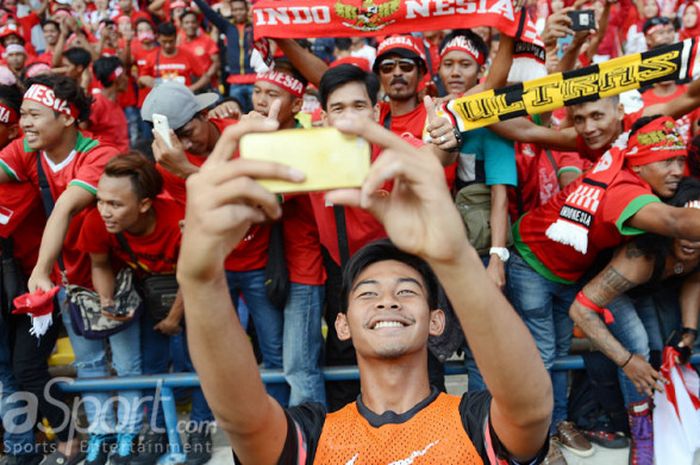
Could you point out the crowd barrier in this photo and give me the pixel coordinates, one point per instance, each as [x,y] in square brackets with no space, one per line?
[167,382]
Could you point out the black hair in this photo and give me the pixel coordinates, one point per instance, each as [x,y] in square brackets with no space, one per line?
[343,44]
[284,65]
[657,21]
[380,251]
[340,75]
[688,189]
[187,13]
[103,69]
[66,89]
[78,56]
[52,22]
[16,34]
[660,246]
[143,20]
[11,96]
[166,29]
[472,36]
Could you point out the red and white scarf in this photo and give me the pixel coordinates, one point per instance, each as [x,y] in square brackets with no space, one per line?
[295,19]
[653,142]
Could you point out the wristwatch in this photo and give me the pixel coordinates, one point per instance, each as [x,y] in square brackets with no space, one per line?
[500,252]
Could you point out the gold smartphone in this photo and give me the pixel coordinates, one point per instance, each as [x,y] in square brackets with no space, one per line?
[330,159]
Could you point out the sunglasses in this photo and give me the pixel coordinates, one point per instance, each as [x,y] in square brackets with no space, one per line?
[405,64]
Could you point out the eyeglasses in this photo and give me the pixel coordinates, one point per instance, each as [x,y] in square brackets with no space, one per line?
[405,64]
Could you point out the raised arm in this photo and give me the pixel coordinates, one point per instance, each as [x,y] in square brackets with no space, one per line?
[420,218]
[498,73]
[221,205]
[309,65]
[73,200]
[524,130]
[629,268]
[214,17]
[679,106]
[665,220]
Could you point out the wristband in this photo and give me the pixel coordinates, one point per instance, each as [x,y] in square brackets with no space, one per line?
[691,331]
[627,361]
[458,136]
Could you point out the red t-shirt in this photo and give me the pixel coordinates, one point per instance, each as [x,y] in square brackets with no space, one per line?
[179,67]
[108,123]
[625,196]
[82,168]
[362,228]
[140,57]
[413,123]
[302,246]
[202,48]
[22,219]
[156,252]
[26,24]
[684,123]
[593,155]
[251,253]
[538,180]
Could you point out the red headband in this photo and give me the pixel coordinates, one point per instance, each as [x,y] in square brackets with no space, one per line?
[7,115]
[462,44]
[44,95]
[284,81]
[656,141]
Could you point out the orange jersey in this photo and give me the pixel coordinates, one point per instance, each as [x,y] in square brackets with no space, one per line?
[434,434]
[439,430]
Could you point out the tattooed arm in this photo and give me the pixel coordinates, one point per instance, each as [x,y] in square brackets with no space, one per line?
[629,268]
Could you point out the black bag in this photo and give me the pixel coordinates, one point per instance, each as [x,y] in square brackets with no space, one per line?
[159,291]
[14,283]
[276,274]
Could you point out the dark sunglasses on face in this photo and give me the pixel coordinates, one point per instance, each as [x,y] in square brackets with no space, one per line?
[405,64]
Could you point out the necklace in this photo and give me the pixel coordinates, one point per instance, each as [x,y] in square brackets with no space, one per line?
[678,268]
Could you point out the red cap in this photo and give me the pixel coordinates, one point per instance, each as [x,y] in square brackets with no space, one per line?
[360,62]
[10,29]
[405,46]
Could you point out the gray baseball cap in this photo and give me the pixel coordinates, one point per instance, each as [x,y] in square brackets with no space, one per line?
[175,101]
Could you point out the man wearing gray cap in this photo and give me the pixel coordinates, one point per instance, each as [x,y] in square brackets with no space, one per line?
[193,136]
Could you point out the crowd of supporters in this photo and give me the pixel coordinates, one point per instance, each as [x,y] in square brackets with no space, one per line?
[88,189]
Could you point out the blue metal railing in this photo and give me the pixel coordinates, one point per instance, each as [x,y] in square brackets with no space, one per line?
[167,382]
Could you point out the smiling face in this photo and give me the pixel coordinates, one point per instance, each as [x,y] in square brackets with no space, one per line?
[42,128]
[598,123]
[388,316]
[686,251]
[663,176]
